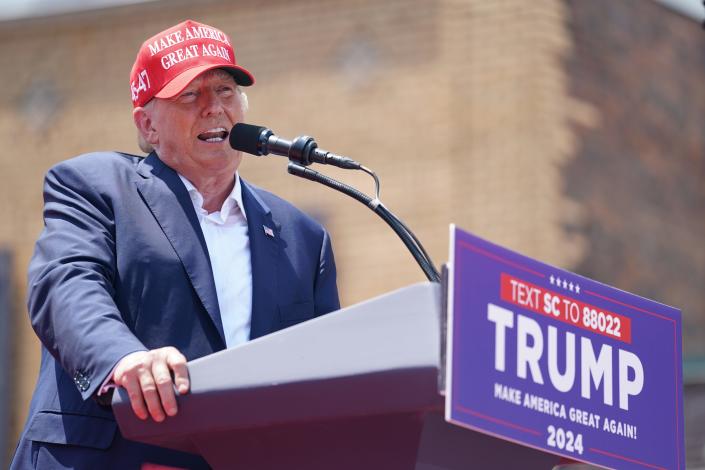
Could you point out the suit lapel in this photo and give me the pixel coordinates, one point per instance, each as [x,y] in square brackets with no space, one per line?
[171,205]
[265,242]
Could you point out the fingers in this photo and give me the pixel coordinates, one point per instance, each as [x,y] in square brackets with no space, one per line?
[151,396]
[162,378]
[134,391]
[146,376]
[177,363]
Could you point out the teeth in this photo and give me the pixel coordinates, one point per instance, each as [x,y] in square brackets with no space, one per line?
[214,135]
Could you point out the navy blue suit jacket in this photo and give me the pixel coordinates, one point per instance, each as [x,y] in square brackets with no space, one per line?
[122,266]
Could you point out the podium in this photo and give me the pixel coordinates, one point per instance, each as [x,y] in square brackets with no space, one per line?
[355,389]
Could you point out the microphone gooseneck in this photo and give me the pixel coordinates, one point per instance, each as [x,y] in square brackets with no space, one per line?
[407,237]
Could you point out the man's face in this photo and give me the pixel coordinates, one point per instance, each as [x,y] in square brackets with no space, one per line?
[190,130]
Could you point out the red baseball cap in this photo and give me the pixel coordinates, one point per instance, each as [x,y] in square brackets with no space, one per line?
[169,60]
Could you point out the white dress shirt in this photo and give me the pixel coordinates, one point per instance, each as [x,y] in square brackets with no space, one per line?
[225,232]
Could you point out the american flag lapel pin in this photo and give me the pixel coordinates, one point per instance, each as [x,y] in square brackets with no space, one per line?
[268,231]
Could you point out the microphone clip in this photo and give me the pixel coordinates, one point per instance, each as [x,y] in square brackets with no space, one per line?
[301,150]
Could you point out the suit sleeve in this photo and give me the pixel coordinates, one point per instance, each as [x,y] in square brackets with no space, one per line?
[71,281]
[326,288]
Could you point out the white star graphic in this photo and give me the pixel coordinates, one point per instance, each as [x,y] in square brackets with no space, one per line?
[552,279]
[565,284]
[577,288]
[570,287]
[558,281]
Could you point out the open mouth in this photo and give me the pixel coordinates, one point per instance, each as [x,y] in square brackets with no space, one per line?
[218,134]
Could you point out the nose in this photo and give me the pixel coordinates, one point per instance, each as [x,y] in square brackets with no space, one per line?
[211,104]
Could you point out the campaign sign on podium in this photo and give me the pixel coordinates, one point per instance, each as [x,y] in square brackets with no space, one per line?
[552,360]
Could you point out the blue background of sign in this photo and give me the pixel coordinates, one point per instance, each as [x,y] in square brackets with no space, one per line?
[656,339]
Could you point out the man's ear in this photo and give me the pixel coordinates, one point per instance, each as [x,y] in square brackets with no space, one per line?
[144,124]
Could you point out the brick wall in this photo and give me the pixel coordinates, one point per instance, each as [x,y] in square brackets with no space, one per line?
[639,175]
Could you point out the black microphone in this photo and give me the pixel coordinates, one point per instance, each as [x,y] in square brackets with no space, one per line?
[258,140]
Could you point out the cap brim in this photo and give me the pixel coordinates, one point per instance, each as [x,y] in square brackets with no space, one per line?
[241,75]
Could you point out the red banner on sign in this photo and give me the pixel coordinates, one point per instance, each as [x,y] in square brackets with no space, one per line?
[566,309]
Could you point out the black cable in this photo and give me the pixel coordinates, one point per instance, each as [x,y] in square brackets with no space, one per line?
[408,230]
[416,240]
[424,262]
[406,236]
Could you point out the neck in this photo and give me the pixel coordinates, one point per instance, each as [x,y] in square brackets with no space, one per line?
[214,189]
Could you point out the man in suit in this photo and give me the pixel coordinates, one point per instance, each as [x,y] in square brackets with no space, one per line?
[145,264]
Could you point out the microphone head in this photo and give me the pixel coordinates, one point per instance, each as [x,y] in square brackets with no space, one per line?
[247,138]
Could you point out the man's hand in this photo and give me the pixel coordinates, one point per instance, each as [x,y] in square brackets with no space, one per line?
[146,375]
